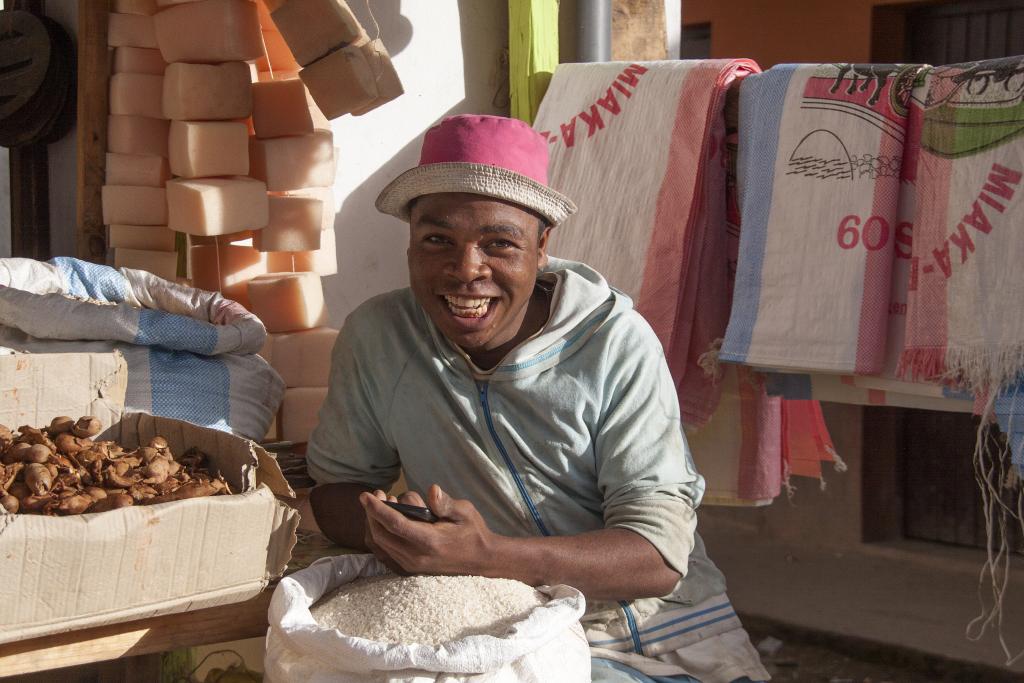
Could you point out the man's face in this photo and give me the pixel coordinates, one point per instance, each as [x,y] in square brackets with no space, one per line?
[473,264]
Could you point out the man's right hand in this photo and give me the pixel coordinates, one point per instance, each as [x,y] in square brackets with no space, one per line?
[408,498]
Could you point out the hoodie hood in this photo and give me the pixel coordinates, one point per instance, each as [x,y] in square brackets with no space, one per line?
[581,302]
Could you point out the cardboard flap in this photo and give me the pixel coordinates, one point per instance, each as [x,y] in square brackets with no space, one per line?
[270,474]
[37,387]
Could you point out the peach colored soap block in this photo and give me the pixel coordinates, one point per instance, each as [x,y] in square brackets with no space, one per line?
[199,149]
[323,261]
[226,268]
[279,108]
[341,82]
[149,237]
[137,95]
[303,359]
[278,54]
[313,28]
[204,92]
[138,60]
[295,225]
[324,194]
[300,412]
[209,31]
[130,30]
[291,163]
[288,301]
[389,86]
[161,263]
[146,7]
[216,206]
[134,205]
[137,169]
[137,135]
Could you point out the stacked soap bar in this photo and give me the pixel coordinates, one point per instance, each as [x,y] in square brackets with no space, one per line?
[345,71]
[137,170]
[291,149]
[207,96]
[303,359]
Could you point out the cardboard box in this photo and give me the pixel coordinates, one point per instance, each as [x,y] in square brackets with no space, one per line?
[67,573]
[53,384]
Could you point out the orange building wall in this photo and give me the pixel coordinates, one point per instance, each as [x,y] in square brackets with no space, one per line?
[778,31]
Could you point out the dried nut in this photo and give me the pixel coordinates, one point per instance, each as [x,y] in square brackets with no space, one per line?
[38,453]
[141,492]
[32,435]
[112,502]
[68,444]
[192,490]
[156,471]
[87,427]
[9,503]
[149,454]
[38,478]
[95,492]
[19,490]
[75,505]
[61,425]
[16,452]
[158,442]
[113,479]
[38,505]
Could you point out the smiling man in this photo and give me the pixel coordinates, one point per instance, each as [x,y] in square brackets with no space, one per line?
[530,407]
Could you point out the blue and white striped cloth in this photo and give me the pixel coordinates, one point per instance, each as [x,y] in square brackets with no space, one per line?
[191,354]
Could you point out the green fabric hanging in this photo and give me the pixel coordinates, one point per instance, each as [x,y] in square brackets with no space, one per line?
[532,53]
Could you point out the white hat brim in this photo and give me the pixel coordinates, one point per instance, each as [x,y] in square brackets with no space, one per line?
[490,181]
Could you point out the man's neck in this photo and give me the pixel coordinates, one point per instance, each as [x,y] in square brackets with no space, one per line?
[537,313]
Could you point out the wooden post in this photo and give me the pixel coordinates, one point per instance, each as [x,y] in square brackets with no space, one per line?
[93,67]
[30,183]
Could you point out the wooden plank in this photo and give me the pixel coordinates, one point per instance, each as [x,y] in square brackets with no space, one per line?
[882,474]
[638,30]
[30,202]
[147,636]
[93,66]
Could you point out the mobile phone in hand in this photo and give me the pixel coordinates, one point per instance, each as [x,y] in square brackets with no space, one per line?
[413,512]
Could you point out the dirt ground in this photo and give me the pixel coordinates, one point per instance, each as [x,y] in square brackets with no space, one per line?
[809,657]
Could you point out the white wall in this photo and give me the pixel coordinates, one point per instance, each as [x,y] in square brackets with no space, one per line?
[448,55]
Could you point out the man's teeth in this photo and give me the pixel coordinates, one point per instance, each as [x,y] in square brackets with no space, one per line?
[466,307]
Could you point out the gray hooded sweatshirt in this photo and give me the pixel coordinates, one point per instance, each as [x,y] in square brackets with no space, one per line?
[576,429]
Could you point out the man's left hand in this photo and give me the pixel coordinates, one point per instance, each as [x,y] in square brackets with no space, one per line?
[459,543]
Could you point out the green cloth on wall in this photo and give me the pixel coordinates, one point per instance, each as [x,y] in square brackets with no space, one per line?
[532,53]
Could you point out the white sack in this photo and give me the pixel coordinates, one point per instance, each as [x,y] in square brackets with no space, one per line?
[549,645]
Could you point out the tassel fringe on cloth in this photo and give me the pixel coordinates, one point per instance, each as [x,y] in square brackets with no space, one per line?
[966,284]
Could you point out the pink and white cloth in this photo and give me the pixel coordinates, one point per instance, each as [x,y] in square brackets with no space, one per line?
[966,279]
[820,156]
[639,148]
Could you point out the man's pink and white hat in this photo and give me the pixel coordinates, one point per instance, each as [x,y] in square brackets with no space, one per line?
[489,155]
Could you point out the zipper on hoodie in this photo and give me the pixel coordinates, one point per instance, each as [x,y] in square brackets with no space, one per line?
[482,387]
[534,512]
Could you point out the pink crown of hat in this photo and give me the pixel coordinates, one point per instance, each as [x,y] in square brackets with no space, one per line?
[488,155]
